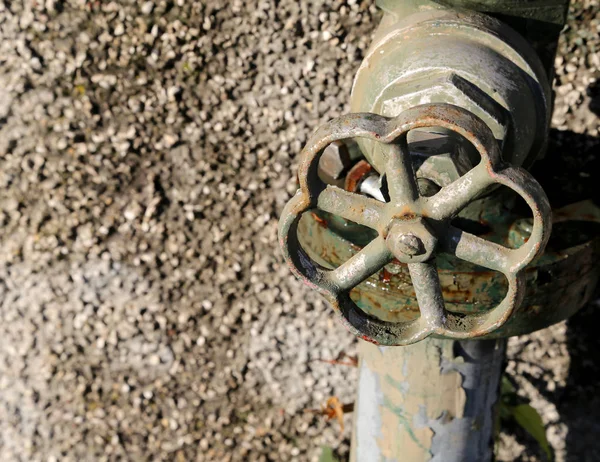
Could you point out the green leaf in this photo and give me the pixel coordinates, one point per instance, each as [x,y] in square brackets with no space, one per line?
[529,419]
[508,398]
[506,386]
[327,455]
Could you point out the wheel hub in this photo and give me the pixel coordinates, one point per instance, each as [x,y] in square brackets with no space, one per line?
[411,241]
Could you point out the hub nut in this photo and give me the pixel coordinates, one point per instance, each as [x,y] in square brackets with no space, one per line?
[411,241]
[410,245]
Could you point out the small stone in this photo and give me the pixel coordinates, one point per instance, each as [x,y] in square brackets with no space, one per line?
[147,7]
[119,29]
[170,139]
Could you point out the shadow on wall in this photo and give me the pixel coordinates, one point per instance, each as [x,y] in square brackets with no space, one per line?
[580,404]
[569,173]
[593,92]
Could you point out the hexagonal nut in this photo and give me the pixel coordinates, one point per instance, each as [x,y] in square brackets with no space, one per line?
[411,240]
[451,158]
[440,158]
[445,87]
[335,160]
[427,188]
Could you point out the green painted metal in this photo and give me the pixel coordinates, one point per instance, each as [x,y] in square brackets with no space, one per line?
[417,241]
[409,216]
[425,53]
[558,283]
[443,51]
[539,22]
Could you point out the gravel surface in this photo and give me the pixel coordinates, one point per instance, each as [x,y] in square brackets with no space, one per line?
[147,149]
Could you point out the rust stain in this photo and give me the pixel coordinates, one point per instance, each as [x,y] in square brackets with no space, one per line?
[454,293]
[321,221]
[406,213]
[385,276]
[356,175]
[368,339]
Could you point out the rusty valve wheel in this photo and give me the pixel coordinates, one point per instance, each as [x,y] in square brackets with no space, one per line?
[413,228]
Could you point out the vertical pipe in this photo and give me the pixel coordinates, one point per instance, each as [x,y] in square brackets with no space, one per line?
[431,401]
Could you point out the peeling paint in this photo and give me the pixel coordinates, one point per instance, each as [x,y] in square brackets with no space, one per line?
[431,401]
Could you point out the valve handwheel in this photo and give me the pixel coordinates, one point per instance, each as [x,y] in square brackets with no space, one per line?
[411,227]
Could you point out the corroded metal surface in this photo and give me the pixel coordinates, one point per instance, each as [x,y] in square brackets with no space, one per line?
[427,218]
[425,53]
[434,401]
[538,21]
[558,283]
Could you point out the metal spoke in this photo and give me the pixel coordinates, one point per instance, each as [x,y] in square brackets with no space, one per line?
[351,206]
[477,250]
[360,266]
[401,180]
[453,198]
[429,292]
